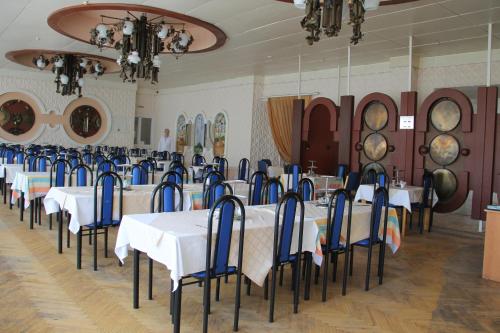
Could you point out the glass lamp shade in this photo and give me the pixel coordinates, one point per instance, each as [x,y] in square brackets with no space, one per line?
[59,63]
[163,33]
[156,61]
[64,79]
[371,4]
[81,82]
[128,28]
[119,60]
[134,58]
[183,39]
[40,63]
[102,31]
[83,62]
[98,68]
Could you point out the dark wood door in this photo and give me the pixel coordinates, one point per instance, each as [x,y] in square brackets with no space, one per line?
[320,146]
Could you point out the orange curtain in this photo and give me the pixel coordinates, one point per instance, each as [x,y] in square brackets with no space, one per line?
[280,112]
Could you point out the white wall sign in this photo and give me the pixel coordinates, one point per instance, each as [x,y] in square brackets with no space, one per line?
[406,122]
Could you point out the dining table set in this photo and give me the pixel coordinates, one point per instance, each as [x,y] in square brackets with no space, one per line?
[178,239]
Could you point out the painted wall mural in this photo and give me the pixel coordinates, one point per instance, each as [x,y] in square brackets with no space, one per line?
[219,141]
[199,134]
[181,133]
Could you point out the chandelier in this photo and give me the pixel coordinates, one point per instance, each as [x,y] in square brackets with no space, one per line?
[325,16]
[141,43]
[69,70]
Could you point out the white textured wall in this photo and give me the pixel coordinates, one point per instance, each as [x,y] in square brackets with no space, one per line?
[234,97]
[116,97]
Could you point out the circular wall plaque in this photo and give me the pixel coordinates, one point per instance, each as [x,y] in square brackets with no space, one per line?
[445,184]
[444,149]
[375,166]
[85,121]
[445,115]
[376,116]
[375,146]
[16,117]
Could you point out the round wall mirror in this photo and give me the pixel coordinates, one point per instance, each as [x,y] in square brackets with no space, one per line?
[375,146]
[376,116]
[445,115]
[85,121]
[16,117]
[444,149]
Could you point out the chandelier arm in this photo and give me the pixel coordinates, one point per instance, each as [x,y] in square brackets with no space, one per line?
[128,12]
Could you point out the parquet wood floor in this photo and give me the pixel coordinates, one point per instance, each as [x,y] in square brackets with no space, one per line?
[433,284]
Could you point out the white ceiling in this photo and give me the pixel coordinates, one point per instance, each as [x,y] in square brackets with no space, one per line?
[264,36]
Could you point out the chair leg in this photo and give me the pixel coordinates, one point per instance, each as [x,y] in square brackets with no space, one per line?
[206,304]
[325,277]
[346,266]
[431,218]
[281,276]
[135,292]
[381,260]
[79,249]
[68,234]
[50,221]
[217,289]
[177,311]
[249,285]
[335,260]
[273,294]
[368,267]
[95,249]
[237,301]
[351,260]
[316,274]
[105,242]
[150,279]
[411,220]
[296,288]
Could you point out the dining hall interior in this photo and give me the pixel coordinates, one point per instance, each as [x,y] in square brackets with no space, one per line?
[250,165]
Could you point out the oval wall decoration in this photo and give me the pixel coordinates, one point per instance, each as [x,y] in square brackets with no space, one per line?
[444,149]
[445,184]
[445,115]
[85,121]
[376,116]
[375,146]
[20,117]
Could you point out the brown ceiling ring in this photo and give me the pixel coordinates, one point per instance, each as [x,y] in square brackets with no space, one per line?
[382,3]
[25,58]
[76,21]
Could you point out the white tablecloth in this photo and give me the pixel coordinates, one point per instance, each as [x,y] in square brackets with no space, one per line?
[397,196]
[79,201]
[178,240]
[10,170]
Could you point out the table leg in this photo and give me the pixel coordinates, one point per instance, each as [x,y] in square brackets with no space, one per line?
[21,207]
[136,279]
[5,192]
[59,232]
[177,311]
[32,203]
[403,222]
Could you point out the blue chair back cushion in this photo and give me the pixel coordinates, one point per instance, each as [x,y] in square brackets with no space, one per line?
[287,230]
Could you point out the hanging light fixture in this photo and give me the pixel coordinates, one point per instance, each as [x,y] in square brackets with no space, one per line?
[325,16]
[142,41]
[69,70]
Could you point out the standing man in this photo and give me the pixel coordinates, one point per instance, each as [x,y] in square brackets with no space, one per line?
[166,143]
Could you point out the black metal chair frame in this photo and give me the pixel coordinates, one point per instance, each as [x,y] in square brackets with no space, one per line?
[207,194]
[266,190]
[251,186]
[247,173]
[301,188]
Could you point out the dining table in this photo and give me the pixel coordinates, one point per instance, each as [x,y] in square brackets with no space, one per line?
[7,173]
[79,202]
[178,240]
[399,196]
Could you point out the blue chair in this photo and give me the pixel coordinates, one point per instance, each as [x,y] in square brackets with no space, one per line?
[29,160]
[198,160]
[180,169]
[335,219]
[140,175]
[427,202]
[217,261]
[352,182]
[306,189]
[257,181]
[20,156]
[105,166]
[177,157]
[283,235]
[342,170]
[244,170]
[206,170]
[9,155]
[370,177]
[41,163]
[74,160]
[223,166]
[215,191]
[83,173]
[58,171]
[162,201]
[272,191]
[294,172]
[103,217]
[88,158]
[173,177]
[262,165]
[383,180]
[380,201]
[212,177]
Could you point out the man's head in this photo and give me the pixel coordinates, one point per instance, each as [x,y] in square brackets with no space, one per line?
[166,132]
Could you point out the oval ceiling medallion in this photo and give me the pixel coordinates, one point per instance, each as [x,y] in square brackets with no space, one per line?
[445,115]
[77,21]
[25,57]
[375,146]
[376,116]
[444,149]
[445,184]
[382,2]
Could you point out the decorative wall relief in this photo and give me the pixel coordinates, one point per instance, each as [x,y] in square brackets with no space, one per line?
[199,134]
[181,133]
[219,126]
[20,117]
[85,121]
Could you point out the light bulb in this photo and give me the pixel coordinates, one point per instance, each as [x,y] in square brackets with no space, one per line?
[64,79]
[59,63]
[81,82]
[40,63]
[128,28]
[134,58]
[156,61]
[162,34]
[183,39]
[102,31]
[83,62]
